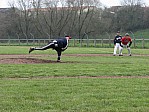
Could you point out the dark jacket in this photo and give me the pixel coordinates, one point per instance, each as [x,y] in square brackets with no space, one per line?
[117,39]
[62,44]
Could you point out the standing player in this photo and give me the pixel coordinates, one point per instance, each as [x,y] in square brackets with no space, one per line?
[117,41]
[126,41]
[59,45]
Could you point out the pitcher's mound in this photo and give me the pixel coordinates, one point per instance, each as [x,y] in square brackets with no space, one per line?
[25,61]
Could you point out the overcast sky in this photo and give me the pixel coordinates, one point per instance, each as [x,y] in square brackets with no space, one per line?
[108,3]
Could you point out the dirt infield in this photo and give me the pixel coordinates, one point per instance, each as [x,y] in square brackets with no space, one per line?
[23,59]
[35,59]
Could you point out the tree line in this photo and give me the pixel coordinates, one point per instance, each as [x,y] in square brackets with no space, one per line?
[54,18]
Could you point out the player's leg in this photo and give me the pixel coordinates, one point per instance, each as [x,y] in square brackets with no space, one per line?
[120,51]
[59,55]
[129,51]
[50,45]
[115,49]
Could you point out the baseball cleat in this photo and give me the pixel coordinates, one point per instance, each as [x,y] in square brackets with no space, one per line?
[120,55]
[31,49]
[129,54]
[58,60]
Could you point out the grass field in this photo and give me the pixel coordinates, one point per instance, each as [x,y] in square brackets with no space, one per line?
[32,87]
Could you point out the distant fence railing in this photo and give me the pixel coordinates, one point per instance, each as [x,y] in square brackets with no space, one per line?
[137,43]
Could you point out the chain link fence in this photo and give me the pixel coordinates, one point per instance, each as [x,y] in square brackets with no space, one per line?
[101,43]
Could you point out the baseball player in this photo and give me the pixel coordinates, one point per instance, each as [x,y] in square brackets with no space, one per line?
[117,41]
[126,41]
[59,45]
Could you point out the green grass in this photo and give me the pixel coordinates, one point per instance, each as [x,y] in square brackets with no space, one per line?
[70,50]
[26,88]
[81,66]
[142,34]
[74,95]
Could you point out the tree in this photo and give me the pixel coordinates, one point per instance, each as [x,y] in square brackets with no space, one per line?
[55,17]
[7,20]
[132,12]
[132,2]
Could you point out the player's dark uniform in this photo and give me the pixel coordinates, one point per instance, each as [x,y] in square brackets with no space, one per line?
[117,41]
[59,45]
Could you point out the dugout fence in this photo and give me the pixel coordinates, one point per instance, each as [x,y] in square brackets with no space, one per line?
[101,43]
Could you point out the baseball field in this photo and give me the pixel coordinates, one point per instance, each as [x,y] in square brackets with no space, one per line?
[86,80]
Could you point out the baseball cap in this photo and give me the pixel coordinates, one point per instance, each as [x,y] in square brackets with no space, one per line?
[127,34]
[68,36]
[118,31]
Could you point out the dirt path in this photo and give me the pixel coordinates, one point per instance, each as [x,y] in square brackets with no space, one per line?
[35,59]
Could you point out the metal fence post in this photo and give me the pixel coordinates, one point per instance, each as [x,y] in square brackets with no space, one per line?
[94,42]
[74,42]
[81,42]
[143,46]
[8,40]
[26,38]
[87,41]
[109,39]
[134,42]
[33,38]
[102,42]
[133,38]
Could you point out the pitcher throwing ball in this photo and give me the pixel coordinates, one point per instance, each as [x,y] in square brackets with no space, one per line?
[59,45]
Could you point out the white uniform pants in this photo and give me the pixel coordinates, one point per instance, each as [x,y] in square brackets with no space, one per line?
[128,48]
[117,46]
